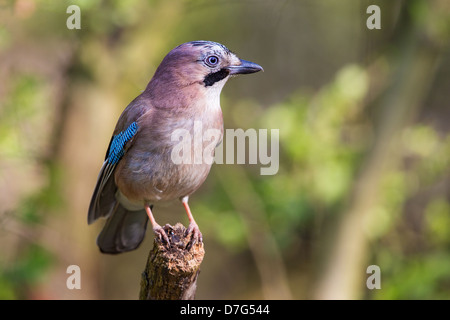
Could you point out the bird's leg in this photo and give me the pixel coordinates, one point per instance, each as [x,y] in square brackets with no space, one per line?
[193,227]
[157,229]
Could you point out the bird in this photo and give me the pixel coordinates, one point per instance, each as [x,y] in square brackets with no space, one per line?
[138,171]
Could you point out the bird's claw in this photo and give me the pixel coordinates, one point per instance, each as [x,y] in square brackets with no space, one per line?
[196,235]
[161,232]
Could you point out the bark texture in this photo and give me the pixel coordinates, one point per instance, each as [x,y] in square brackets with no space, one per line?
[171,272]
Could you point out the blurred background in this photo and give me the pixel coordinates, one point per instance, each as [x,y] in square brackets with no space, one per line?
[364,123]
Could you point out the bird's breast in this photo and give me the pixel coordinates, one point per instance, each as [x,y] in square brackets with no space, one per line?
[172,154]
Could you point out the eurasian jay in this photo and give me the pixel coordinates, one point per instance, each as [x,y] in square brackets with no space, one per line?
[139,170]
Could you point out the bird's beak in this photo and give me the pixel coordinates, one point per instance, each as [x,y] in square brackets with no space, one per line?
[244,68]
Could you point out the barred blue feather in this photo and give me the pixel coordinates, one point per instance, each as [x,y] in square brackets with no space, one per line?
[116,150]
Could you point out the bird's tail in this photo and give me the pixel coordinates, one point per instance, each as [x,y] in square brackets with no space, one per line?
[124,230]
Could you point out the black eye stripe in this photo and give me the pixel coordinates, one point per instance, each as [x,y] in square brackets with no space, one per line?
[212,78]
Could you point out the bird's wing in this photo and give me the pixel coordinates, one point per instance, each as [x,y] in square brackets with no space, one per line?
[103,198]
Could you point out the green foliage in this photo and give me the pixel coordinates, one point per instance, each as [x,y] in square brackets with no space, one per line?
[24,102]
[314,89]
[437,219]
[414,243]
[418,277]
[321,140]
[28,269]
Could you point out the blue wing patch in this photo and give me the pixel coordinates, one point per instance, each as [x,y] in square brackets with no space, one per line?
[116,150]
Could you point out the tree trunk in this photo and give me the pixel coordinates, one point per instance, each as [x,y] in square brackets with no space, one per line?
[171,272]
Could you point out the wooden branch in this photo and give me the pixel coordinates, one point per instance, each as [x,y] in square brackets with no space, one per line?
[171,272]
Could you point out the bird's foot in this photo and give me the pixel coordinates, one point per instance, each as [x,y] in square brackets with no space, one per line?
[196,235]
[161,232]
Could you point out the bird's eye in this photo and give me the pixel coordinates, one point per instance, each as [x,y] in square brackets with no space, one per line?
[212,61]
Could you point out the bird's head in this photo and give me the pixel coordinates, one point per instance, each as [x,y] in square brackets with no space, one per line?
[202,64]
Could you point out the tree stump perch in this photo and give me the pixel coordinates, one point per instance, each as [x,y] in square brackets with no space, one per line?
[171,271]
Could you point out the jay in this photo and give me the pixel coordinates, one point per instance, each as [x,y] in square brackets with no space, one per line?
[139,170]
